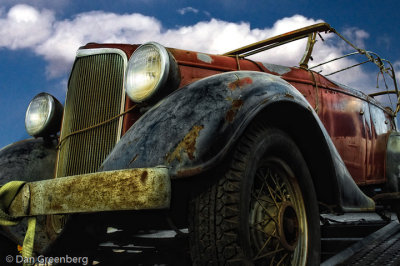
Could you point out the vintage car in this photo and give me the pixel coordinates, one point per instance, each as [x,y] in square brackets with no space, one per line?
[244,154]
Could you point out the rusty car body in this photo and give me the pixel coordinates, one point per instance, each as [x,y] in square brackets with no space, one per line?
[177,154]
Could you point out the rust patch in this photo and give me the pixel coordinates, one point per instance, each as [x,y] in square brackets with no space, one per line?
[187,145]
[230,115]
[240,83]
[131,189]
[189,172]
[288,95]
[144,176]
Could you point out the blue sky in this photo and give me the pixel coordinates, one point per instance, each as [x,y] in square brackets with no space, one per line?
[38,38]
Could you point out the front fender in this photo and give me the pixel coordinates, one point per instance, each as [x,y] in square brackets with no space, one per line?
[195,127]
[28,160]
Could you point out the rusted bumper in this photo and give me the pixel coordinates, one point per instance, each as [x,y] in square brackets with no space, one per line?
[130,189]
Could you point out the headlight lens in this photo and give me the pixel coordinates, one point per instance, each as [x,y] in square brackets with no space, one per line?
[43,116]
[147,71]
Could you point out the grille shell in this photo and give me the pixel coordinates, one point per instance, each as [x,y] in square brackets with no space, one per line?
[95,94]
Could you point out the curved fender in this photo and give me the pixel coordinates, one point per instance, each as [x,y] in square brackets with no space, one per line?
[27,160]
[193,129]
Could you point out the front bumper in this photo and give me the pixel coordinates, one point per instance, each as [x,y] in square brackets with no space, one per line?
[130,189]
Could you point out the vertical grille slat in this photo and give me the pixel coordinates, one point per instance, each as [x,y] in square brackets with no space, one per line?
[95,94]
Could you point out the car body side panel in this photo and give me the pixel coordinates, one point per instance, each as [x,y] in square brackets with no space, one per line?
[194,128]
[344,117]
[380,130]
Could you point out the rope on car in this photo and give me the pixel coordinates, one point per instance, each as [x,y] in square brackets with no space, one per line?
[7,195]
[94,126]
[237,62]
[316,91]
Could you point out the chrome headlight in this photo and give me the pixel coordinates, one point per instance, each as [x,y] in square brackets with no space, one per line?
[148,70]
[43,116]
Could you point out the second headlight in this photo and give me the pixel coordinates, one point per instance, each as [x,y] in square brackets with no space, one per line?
[43,116]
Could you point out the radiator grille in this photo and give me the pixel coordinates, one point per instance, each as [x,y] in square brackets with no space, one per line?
[95,94]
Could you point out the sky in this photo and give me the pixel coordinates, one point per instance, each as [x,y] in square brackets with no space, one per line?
[39,38]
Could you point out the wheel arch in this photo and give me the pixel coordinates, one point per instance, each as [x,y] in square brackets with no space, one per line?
[312,145]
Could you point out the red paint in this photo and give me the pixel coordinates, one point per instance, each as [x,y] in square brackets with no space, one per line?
[355,125]
[240,83]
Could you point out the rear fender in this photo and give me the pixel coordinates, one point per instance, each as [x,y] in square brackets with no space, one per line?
[392,162]
[193,130]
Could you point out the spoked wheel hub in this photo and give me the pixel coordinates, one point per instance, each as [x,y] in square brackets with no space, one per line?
[277,221]
[288,226]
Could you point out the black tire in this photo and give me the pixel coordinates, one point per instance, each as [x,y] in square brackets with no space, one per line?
[224,221]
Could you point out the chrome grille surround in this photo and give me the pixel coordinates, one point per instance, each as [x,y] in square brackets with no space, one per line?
[95,94]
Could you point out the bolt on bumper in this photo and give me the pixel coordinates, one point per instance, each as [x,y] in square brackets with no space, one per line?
[130,189]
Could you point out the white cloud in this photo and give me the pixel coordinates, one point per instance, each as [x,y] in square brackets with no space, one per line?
[24,27]
[396,66]
[357,36]
[57,40]
[188,9]
[68,35]
[53,5]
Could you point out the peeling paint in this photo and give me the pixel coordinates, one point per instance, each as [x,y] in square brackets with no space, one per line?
[281,70]
[189,172]
[240,83]
[288,95]
[187,145]
[204,58]
[230,115]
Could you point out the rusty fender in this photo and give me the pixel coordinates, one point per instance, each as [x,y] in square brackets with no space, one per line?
[194,128]
[130,189]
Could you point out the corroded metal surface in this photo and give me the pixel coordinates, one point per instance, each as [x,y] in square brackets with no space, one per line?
[218,105]
[223,105]
[133,189]
[187,145]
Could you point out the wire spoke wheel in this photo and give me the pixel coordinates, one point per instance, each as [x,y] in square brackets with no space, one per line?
[263,209]
[277,219]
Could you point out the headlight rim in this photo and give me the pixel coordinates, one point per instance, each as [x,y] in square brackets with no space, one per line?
[53,119]
[165,70]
